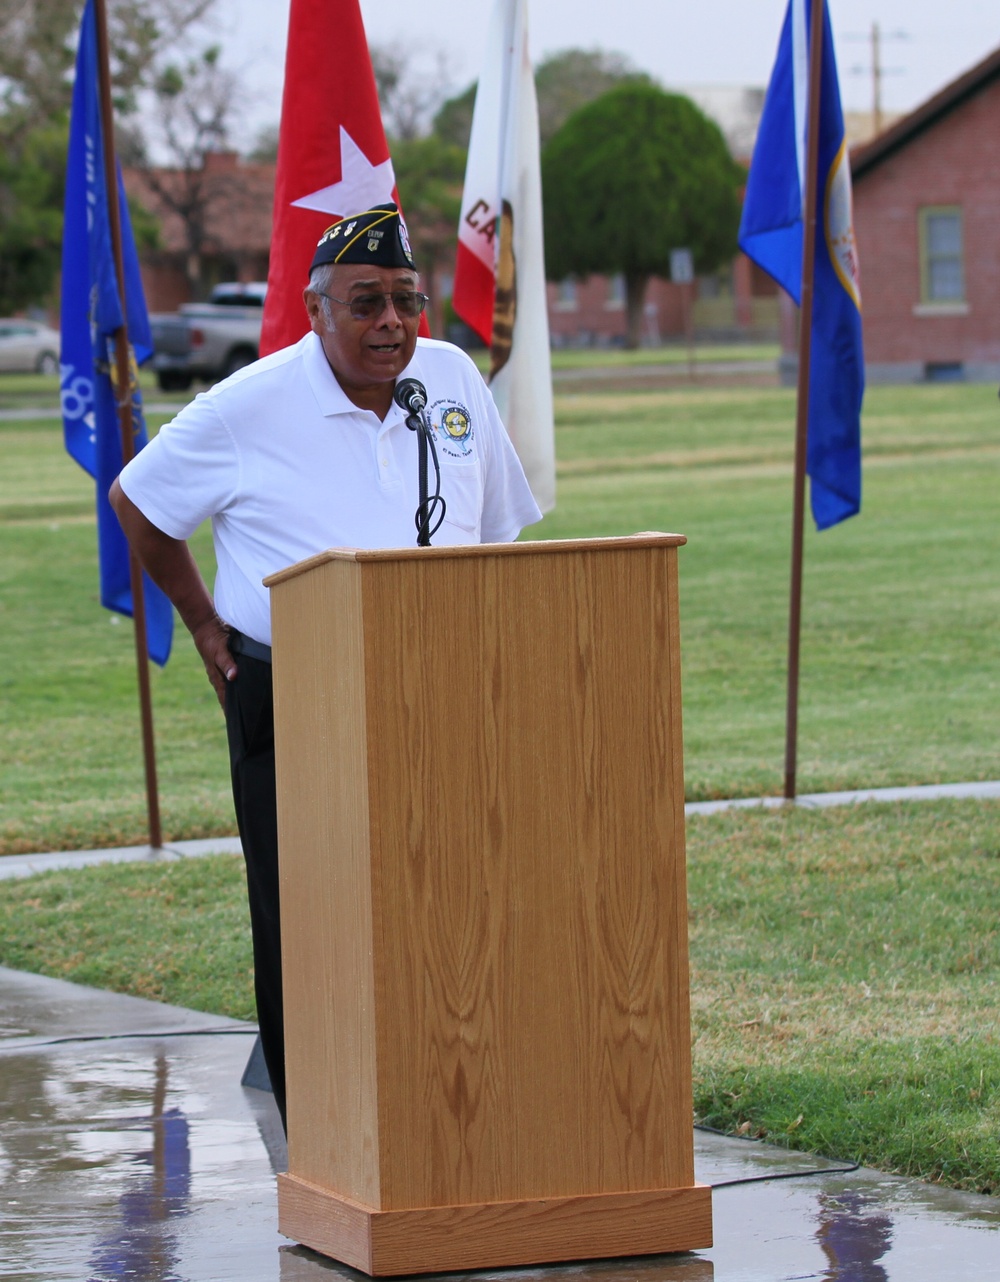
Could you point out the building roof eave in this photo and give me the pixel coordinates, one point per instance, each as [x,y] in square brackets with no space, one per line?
[871,154]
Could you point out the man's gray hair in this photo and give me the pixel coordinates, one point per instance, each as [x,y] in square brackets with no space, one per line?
[320,280]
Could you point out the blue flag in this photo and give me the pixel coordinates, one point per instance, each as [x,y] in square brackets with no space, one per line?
[771,234]
[91,313]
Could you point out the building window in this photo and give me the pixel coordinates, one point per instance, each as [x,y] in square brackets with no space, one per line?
[566,299]
[942,264]
[615,301]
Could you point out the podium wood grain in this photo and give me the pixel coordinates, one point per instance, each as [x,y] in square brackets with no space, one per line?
[483,883]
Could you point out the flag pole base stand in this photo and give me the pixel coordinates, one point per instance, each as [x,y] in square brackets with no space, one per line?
[494,1234]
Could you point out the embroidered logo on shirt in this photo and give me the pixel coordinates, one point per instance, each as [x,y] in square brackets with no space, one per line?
[453,430]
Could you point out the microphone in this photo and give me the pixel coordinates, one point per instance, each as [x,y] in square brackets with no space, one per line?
[411,395]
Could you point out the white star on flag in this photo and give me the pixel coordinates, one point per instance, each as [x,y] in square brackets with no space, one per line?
[361,183]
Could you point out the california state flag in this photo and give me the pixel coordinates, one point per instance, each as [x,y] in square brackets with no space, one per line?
[500,270]
[333,158]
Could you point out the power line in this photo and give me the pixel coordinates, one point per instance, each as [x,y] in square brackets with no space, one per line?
[877,70]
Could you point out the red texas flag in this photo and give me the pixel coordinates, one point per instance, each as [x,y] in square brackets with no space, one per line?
[333,158]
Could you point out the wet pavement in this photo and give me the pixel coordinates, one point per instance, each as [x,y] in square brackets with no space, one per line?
[129,1150]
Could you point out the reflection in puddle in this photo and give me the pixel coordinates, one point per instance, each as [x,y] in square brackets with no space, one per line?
[143,1244]
[852,1238]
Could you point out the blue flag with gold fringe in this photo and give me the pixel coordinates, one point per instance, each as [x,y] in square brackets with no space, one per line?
[771,234]
[90,315]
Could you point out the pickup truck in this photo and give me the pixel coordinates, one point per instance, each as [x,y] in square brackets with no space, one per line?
[209,340]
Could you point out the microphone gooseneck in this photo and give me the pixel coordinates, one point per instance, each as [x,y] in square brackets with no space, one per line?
[411,396]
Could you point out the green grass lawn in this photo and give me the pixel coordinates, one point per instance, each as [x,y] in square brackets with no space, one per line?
[900,645]
[845,972]
[18,391]
[574,358]
[900,651]
[570,359]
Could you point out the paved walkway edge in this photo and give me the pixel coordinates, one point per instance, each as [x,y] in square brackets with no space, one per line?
[28,865]
[816,800]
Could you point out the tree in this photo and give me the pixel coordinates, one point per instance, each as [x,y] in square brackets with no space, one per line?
[429,173]
[628,178]
[37,51]
[38,43]
[32,181]
[566,81]
[195,104]
[409,91]
[453,121]
[265,145]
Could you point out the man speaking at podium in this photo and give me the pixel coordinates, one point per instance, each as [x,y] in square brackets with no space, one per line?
[304,450]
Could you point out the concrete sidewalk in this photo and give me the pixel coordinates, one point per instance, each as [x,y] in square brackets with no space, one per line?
[28,865]
[818,800]
[128,1150]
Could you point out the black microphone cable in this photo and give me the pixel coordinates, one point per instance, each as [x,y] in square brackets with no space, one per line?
[411,395]
[432,508]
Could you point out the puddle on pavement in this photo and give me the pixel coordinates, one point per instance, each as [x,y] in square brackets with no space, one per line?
[144,1160]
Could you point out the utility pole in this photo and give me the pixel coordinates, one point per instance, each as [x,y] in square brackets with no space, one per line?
[877,70]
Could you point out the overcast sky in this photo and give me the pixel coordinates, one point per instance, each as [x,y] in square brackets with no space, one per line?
[925,43]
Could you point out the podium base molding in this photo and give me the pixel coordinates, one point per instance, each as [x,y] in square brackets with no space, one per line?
[493,1234]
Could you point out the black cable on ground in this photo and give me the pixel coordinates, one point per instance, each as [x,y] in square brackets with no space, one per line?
[28,1044]
[780,1175]
[234,1032]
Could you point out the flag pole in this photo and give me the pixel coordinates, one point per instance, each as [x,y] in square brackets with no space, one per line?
[123,389]
[802,405]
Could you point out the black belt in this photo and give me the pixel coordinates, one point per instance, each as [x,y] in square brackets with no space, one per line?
[240,644]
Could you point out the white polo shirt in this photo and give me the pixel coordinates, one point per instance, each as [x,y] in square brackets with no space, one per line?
[285,466]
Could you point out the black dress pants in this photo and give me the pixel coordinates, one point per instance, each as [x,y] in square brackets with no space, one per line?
[250,728]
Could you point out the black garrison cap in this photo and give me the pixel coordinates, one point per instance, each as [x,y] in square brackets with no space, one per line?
[376,236]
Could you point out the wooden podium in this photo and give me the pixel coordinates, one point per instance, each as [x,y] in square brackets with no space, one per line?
[484,912]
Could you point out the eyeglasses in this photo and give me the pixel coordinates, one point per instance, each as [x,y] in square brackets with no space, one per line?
[405,302]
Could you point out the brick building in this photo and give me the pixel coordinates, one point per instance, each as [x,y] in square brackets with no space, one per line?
[927,220]
[739,302]
[228,205]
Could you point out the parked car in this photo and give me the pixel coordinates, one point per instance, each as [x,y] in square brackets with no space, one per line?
[211,340]
[28,346]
